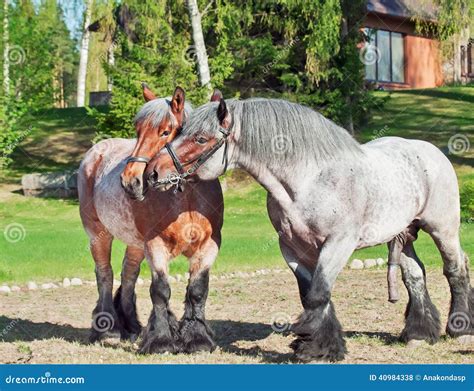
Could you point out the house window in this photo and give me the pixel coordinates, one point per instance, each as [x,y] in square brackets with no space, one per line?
[386,61]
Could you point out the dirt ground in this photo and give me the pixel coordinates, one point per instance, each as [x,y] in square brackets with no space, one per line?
[51,326]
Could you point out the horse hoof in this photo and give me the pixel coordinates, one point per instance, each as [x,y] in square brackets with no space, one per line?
[307,350]
[415,343]
[466,339]
[158,345]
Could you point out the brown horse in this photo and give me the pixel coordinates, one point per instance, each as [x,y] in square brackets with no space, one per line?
[160,227]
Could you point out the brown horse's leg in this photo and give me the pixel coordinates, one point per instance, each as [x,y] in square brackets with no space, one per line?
[105,323]
[125,298]
[160,335]
[195,333]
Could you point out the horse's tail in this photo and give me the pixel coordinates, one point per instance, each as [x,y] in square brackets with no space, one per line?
[86,179]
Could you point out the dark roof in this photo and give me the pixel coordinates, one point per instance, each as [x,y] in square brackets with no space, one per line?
[425,9]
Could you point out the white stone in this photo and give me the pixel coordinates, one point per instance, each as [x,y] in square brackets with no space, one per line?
[357,264]
[76,281]
[369,263]
[140,281]
[380,261]
[466,339]
[66,282]
[171,279]
[5,289]
[32,285]
[16,288]
[48,285]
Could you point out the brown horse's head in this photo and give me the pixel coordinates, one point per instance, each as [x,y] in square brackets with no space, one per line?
[189,151]
[157,123]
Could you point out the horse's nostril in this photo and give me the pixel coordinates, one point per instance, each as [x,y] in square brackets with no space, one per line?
[153,177]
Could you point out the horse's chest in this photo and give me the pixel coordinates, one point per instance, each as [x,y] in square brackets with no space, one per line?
[115,213]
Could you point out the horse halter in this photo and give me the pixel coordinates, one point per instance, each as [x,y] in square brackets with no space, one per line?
[138,159]
[179,178]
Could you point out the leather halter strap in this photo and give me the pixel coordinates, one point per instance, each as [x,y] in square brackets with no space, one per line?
[198,161]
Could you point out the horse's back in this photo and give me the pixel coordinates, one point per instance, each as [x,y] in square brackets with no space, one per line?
[419,153]
[429,172]
[97,165]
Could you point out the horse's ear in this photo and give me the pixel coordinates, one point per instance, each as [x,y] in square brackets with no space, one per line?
[177,103]
[216,95]
[148,95]
[223,114]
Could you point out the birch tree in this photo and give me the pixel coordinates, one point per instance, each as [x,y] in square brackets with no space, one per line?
[6,50]
[199,45]
[82,72]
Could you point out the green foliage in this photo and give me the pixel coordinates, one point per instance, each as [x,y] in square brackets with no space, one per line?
[41,64]
[452,17]
[303,51]
[467,200]
[43,73]
[13,123]
[159,56]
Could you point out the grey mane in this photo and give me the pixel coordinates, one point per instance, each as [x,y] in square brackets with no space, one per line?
[278,131]
[156,110]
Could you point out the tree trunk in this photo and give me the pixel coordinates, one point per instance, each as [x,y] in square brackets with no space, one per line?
[111,62]
[199,45]
[81,79]
[6,50]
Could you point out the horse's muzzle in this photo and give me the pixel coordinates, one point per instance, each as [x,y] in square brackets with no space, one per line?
[153,181]
[135,189]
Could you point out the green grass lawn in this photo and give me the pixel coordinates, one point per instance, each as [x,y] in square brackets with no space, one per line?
[55,245]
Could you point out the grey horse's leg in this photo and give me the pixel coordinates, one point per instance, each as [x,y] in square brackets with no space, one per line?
[319,332]
[421,316]
[105,323]
[125,298]
[456,270]
[161,333]
[194,332]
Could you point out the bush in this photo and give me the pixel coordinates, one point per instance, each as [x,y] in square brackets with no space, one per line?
[467,200]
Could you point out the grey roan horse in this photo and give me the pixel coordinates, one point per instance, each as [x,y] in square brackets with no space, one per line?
[328,196]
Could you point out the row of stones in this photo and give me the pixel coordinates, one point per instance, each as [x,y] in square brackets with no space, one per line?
[31,286]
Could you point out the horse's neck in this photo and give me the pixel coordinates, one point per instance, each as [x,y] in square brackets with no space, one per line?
[274,181]
[281,190]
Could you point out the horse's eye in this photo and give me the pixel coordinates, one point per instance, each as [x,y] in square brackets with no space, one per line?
[201,140]
[165,133]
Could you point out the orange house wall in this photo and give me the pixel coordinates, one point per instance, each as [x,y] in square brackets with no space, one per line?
[422,57]
[422,62]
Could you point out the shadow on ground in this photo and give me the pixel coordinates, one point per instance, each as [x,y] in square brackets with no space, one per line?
[227,333]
